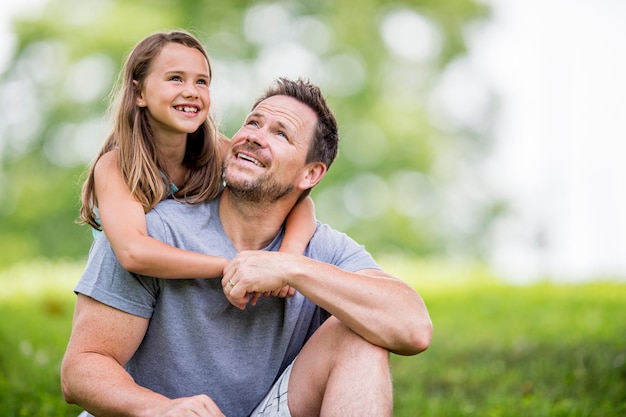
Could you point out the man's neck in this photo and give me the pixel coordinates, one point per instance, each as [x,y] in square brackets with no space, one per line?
[251,225]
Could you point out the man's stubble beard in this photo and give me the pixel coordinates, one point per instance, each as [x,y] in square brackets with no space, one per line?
[262,189]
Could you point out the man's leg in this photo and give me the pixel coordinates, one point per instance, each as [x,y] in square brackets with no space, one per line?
[338,373]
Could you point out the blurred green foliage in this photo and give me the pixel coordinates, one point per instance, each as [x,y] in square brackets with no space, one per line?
[404,181]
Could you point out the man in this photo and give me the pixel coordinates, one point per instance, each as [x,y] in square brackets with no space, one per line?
[141,346]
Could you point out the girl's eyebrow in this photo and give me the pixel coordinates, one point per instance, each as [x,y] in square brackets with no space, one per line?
[177,71]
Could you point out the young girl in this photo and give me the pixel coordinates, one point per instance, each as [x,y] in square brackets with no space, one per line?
[165,144]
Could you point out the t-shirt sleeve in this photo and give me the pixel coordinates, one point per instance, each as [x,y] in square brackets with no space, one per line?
[106,281]
[337,248]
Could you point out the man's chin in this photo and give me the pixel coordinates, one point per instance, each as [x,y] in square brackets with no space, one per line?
[243,182]
[258,191]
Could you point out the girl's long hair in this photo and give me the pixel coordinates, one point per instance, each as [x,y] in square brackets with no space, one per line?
[138,159]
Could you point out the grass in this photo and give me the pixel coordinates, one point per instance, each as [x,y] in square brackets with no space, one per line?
[498,350]
[36,305]
[502,350]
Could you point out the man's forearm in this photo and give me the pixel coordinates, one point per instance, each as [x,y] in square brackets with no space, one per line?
[101,386]
[380,308]
[92,373]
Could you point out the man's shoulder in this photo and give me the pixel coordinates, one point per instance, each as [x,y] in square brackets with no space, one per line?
[337,248]
[326,233]
[331,245]
[171,217]
[173,208]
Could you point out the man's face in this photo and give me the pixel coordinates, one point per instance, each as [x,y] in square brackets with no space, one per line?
[266,160]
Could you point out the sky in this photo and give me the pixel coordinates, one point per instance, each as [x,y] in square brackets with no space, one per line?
[559,151]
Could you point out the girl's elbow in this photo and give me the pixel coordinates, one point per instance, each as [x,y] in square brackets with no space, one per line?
[127,263]
[130,261]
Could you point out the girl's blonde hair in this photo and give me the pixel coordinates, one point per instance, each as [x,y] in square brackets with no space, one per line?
[138,159]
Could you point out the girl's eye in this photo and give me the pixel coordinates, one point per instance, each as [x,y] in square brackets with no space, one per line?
[203,82]
[175,78]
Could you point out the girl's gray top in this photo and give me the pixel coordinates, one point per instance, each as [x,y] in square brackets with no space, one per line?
[197,342]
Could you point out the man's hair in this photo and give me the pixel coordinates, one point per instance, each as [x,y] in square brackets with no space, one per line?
[325,141]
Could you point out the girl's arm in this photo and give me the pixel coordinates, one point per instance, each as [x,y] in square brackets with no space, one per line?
[124,222]
[299,227]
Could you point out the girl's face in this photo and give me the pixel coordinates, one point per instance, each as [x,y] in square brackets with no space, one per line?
[176,91]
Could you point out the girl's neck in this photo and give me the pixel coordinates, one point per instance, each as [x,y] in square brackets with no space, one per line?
[172,153]
[172,149]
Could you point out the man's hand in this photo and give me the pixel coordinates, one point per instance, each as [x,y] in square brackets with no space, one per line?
[196,406]
[252,273]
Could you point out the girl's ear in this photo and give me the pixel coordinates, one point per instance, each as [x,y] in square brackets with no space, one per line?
[313,174]
[139,100]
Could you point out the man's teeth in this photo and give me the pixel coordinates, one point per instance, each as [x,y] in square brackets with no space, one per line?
[249,158]
[187,109]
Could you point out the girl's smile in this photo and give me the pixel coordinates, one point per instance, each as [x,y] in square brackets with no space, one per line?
[176,91]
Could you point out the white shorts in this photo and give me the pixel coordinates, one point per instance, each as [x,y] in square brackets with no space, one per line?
[275,402]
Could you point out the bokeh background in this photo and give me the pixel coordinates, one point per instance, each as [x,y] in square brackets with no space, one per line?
[473,132]
[483,146]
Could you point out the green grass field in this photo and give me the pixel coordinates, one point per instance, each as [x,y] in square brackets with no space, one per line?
[498,350]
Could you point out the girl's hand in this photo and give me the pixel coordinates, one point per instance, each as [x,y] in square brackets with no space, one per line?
[284,292]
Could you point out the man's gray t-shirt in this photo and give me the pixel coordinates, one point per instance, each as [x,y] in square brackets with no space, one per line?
[197,342]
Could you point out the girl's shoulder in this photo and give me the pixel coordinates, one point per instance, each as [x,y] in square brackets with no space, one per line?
[107,160]
[109,156]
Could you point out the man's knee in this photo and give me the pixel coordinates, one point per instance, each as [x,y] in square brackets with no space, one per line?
[345,345]
[338,368]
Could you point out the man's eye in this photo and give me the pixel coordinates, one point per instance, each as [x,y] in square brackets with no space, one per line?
[252,123]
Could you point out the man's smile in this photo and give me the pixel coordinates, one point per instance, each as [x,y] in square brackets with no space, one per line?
[249,158]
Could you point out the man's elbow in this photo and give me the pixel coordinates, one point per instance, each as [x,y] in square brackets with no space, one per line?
[66,386]
[423,336]
[417,338]
[67,392]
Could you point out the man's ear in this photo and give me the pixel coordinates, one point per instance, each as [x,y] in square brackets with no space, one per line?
[139,100]
[313,173]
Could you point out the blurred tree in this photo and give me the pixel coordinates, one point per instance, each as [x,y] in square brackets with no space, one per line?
[404,180]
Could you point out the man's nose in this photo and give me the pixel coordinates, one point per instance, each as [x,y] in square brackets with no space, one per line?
[256,138]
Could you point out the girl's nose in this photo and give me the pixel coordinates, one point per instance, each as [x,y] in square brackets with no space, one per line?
[190,90]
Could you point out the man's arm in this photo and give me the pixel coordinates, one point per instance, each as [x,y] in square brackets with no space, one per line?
[92,373]
[380,308]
